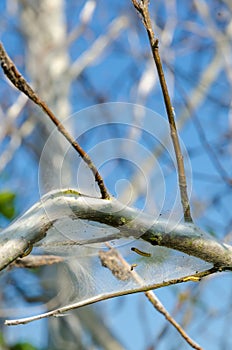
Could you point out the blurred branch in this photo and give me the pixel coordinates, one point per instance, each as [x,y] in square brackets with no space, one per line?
[221,40]
[99,45]
[84,19]
[210,149]
[142,8]
[17,135]
[33,261]
[99,330]
[12,114]
[20,83]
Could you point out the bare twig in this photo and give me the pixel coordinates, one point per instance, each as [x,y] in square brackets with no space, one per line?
[142,8]
[20,83]
[101,297]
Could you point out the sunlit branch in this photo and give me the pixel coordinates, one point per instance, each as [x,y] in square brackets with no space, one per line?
[60,311]
[21,84]
[34,225]
[142,8]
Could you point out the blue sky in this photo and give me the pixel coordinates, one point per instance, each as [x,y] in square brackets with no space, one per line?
[115,77]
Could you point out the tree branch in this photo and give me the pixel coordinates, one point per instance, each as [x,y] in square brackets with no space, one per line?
[142,8]
[59,311]
[21,84]
[34,225]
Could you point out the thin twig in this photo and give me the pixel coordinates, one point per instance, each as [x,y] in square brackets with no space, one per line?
[153,299]
[92,300]
[21,84]
[142,8]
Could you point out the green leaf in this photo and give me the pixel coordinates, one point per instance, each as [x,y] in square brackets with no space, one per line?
[7,207]
[23,346]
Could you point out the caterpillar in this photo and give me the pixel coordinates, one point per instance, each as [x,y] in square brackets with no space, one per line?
[140,252]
